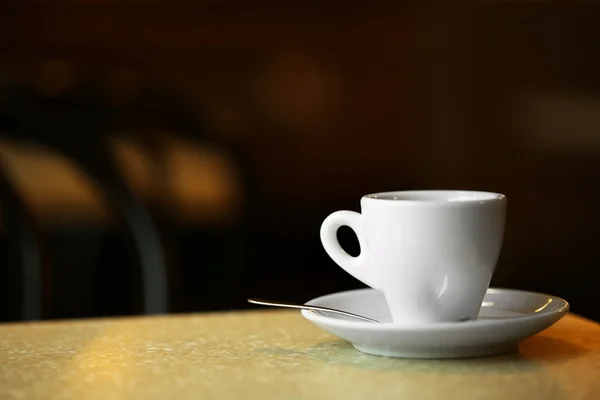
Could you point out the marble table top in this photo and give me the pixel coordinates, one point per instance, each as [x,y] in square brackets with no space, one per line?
[274,354]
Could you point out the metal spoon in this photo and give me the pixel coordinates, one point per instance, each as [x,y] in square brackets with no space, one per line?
[311,308]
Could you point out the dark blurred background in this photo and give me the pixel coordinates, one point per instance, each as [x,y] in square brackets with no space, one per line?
[179,156]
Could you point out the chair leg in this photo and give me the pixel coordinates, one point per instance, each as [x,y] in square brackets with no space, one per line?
[20,224]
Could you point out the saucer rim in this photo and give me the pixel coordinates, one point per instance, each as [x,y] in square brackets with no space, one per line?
[559,313]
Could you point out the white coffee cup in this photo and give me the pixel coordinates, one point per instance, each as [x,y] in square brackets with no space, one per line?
[432,253]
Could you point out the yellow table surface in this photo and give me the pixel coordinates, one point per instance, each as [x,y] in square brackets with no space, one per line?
[275,355]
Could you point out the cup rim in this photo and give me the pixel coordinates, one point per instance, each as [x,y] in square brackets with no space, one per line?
[462,197]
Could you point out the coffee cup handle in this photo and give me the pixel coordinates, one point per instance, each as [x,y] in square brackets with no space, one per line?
[355,266]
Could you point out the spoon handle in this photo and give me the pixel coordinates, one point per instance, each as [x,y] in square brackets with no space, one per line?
[311,308]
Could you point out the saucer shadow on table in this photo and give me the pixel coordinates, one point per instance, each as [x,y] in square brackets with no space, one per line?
[528,357]
[546,348]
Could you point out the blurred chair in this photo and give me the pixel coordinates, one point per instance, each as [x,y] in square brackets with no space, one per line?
[82,126]
[75,130]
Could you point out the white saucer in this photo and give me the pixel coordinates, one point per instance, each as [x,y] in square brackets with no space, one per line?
[507,316]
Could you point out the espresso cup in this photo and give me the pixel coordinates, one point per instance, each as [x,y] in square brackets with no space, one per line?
[432,253]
